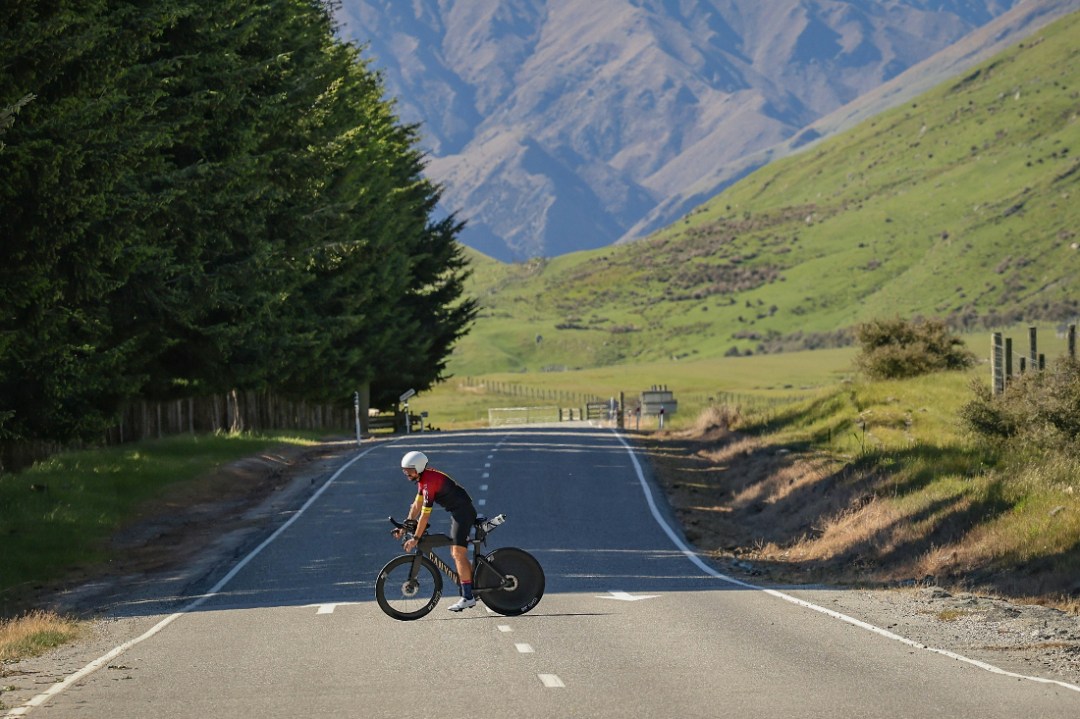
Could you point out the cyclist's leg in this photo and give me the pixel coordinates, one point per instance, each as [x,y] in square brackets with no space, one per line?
[460,526]
[459,536]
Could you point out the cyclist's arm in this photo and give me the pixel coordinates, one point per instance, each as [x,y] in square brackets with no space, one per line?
[425,515]
[416,506]
[414,510]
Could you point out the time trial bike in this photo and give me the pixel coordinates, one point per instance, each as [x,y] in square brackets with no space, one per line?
[508,580]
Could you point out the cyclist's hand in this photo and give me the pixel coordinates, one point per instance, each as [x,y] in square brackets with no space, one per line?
[397,533]
[410,544]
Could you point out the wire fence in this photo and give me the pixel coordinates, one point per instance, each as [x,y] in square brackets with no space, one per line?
[1006,363]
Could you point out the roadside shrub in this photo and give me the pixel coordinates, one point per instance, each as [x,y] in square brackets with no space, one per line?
[896,348]
[987,416]
[1043,408]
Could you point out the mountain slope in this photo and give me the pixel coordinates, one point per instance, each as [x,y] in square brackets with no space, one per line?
[961,204]
[991,39]
[558,125]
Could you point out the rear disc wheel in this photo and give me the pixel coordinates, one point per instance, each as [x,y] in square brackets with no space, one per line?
[524,585]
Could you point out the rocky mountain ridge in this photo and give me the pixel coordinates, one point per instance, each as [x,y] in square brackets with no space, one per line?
[556,126]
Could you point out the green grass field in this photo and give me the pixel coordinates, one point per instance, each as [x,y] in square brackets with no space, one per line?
[758,380]
[465,400]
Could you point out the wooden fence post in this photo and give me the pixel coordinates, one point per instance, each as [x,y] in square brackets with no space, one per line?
[1033,343]
[1072,341]
[997,366]
[1008,360]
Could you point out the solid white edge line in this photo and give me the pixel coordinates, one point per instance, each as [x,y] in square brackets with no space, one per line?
[693,557]
[199,601]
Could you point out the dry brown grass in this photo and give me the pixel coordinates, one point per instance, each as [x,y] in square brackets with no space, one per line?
[810,516]
[35,633]
[714,418]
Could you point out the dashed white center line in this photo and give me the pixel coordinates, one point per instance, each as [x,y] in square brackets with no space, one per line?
[551,681]
[327,608]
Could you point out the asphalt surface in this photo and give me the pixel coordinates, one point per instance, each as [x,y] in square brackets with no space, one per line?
[630,624]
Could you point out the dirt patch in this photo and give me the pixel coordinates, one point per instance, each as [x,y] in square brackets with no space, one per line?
[180,523]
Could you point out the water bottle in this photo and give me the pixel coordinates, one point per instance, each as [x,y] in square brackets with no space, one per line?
[494,522]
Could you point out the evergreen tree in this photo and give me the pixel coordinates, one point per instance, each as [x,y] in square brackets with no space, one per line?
[207,196]
[65,171]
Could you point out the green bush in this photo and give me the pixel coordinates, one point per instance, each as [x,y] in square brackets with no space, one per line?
[896,348]
[1043,408]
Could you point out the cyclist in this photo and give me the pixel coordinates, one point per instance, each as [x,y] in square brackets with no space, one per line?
[435,487]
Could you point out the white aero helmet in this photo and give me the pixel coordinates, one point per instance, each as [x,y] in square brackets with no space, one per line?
[416,460]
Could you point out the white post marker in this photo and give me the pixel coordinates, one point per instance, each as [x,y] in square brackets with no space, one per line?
[356,412]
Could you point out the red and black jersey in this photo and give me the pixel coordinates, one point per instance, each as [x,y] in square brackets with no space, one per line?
[435,487]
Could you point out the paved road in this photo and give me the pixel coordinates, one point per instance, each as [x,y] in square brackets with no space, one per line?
[629,625]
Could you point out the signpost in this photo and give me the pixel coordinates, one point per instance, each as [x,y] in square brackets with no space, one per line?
[405,399]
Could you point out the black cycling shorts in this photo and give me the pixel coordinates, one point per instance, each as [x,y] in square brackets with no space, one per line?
[462,522]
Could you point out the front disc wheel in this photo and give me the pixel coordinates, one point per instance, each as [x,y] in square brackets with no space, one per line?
[408,587]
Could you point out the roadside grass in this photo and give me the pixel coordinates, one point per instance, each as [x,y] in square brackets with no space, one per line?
[32,634]
[923,499]
[36,633]
[952,615]
[56,516]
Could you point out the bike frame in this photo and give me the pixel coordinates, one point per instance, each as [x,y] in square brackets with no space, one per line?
[426,549]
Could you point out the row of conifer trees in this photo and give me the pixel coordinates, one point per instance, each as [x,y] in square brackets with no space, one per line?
[205,197]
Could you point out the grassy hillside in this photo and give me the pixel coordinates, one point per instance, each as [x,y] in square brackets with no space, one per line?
[876,483]
[960,204]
